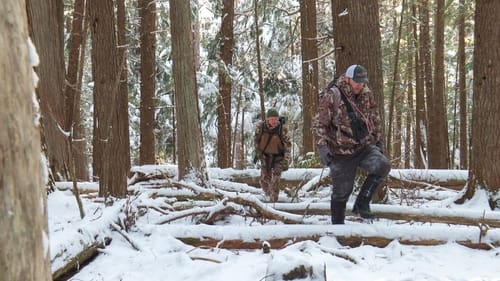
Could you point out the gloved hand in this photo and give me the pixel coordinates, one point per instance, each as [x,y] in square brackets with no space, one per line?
[380,146]
[257,156]
[284,164]
[324,154]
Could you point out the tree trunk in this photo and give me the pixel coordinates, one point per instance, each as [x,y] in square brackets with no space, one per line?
[147,13]
[46,25]
[439,156]
[72,94]
[189,137]
[357,41]
[122,102]
[225,86]
[259,64]
[79,129]
[196,35]
[410,115]
[484,165]
[426,58]
[24,234]
[420,117]
[106,72]
[463,135]
[392,143]
[309,50]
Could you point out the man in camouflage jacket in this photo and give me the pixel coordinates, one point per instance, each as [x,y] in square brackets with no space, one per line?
[272,148]
[343,149]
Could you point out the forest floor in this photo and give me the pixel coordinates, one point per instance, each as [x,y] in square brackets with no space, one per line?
[171,230]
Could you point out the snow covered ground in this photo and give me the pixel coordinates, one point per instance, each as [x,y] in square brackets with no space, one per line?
[160,256]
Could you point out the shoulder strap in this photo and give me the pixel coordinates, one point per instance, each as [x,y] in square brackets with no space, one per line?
[280,132]
[350,111]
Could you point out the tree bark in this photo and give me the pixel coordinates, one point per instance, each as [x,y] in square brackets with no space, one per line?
[259,61]
[393,142]
[23,209]
[419,150]
[72,94]
[147,13]
[463,135]
[357,41]
[123,157]
[426,57]
[189,137]
[409,156]
[309,50]
[108,149]
[46,25]
[224,111]
[484,165]
[439,156]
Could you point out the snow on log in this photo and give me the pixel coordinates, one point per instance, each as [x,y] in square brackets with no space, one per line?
[352,234]
[293,178]
[70,249]
[404,213]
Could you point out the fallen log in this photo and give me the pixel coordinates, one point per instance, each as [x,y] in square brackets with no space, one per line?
[69,249]
[425,178]
[295,178]
[403,213]
[381,211]
[79,260]
[454,184]
[352,235]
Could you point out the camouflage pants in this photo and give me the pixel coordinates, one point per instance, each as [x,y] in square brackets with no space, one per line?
[270,174]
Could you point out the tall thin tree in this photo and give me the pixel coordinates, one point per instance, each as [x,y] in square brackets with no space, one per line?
[107,146]
[259,61]
[72,94]
[426,57]
[147,13]
[309,50]
[225,85]
[123,160]
[462,92]
[395,85]
[420,116]
[189,138]
[438,129]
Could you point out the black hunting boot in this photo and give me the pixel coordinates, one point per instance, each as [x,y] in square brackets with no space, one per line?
[338,212]
[362,204]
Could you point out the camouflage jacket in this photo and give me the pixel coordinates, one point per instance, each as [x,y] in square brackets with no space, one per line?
[332,125]
[268,140]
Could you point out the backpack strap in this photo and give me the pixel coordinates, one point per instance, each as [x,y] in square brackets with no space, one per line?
[347,103]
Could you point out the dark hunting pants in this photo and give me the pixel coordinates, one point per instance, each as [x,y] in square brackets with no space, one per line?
[343,170]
